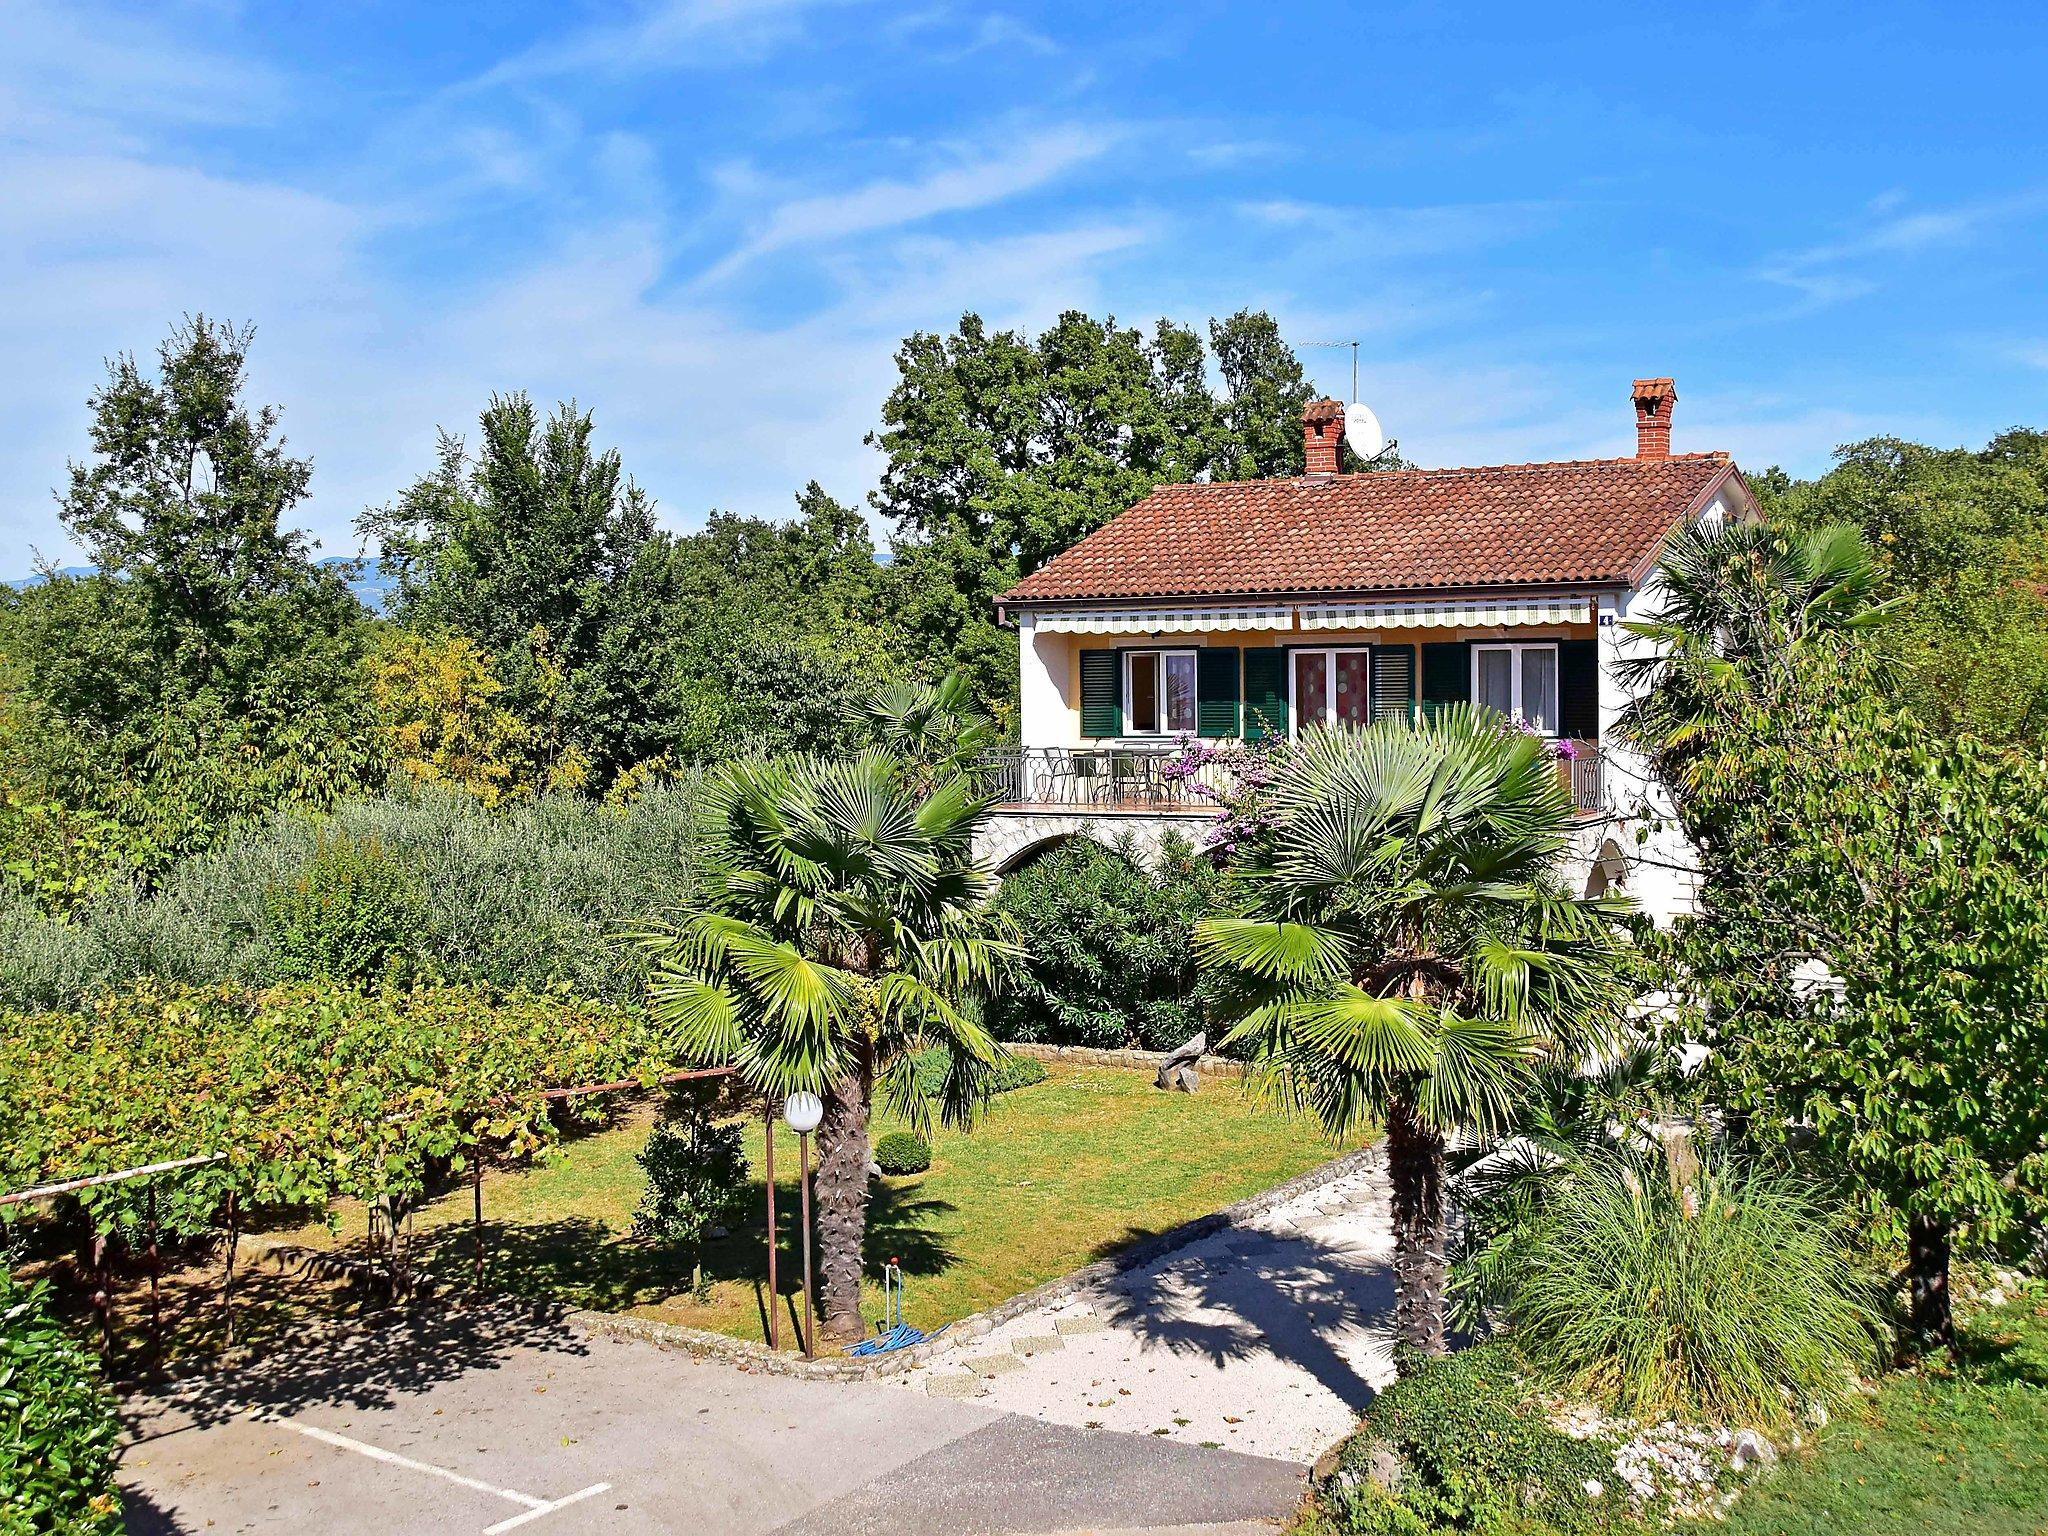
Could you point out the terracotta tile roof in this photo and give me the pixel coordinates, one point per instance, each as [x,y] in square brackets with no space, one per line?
[1598,520]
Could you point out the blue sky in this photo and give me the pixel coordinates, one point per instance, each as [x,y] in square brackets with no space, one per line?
[712,220]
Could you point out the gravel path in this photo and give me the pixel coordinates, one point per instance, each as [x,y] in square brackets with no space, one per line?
[1265,1338]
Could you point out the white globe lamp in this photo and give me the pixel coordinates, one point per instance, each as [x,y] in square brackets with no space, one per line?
[801,1112]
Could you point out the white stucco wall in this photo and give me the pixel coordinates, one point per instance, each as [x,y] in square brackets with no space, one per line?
[1048,713]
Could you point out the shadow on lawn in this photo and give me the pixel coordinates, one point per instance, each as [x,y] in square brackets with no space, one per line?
[584,1262]
[1286,1296]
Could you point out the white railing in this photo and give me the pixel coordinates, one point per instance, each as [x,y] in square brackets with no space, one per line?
[1156,778]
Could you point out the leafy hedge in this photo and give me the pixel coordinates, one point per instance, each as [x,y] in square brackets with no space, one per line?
[1015,1072]
[426,883]
[1110,946]
[1459,1444]
[57,1427]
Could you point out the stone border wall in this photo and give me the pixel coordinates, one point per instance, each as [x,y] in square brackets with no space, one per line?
[758,1357]
[1211,1065]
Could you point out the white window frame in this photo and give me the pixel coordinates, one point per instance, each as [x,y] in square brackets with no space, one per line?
[1329,653]
[1165,727]
[1514,648]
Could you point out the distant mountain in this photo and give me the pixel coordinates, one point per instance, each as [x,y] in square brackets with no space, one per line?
[371,585]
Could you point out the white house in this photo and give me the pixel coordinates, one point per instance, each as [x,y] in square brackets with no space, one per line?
[1237,611]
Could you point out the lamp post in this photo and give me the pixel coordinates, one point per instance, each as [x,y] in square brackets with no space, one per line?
[802,1112]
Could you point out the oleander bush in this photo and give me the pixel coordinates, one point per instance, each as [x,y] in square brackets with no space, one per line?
[57,1427]
[900,1153]
[1109,945]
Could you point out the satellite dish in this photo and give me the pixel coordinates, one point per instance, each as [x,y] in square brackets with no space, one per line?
[1362,431]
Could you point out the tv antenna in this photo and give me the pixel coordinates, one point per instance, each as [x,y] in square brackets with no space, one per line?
[1362,428]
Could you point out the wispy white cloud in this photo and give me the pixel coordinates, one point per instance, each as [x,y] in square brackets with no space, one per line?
[658,35]
[1400,232]
[72,73]
[892,203]
[1853,266]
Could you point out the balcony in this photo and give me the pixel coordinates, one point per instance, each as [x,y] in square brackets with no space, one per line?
[1139,780]
[1108,779]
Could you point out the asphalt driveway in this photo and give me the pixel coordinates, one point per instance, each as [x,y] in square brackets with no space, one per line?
[491,1419]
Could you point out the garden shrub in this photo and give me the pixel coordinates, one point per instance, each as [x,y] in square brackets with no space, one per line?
[1733,1299]
[520,899]
[57,1427]
[1014,1072]
[696,1180]
[1466,1448]
[1110,947]
[899,1153]
[352,914]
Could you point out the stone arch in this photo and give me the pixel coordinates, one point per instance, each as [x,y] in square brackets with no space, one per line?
[1008,840]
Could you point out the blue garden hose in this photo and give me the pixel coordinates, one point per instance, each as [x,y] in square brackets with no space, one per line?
[900,1335]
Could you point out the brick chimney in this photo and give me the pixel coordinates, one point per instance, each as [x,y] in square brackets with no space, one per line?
[1322,428]
[1654,401]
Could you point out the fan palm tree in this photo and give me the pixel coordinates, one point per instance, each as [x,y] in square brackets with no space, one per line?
[844,926]
[1738,600]
[1407,958]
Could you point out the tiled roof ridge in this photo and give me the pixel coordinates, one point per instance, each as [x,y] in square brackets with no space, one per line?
[1416,472]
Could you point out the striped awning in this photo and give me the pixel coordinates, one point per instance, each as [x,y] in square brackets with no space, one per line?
[1446,615]
[1162,621]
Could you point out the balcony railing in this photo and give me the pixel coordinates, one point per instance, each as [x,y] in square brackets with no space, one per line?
[1140,779]
[1098,778]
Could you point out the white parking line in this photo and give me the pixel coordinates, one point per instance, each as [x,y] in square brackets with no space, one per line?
[534,1508]
[545,1509]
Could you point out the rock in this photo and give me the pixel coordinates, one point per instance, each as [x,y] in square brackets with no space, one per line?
[1594,1487]
[718,1234]
[1177,1069]
[1752,1450]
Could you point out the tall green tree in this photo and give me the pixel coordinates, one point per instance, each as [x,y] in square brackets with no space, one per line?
[1407,958]
[209,669]
[1003,449]
[1962,535]
[541,550]
[845,926]
[1869,955]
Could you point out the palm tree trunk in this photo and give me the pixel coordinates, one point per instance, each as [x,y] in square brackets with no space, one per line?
[1415,1170]
[842,1200]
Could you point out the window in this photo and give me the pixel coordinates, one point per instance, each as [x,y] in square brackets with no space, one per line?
[1159,692]
[1518,680]
[1331,686]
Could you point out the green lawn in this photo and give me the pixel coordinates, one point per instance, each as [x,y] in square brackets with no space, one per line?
[1058,1173]
[1933,1452]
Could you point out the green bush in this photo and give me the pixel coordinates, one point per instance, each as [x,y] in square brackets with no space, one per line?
[1715,1301]
[353,913]
[1110,947]
[1013,1073]
[696,1179]
[57,1425]
[1468,1449]
[518,899]
[900,1153]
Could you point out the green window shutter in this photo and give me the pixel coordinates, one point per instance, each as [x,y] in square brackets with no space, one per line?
[1578,689]
[1216,691]
[1446,674]
[1265,693]
[1393,682]
[1102,693]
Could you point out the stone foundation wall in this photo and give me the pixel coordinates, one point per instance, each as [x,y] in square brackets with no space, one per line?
[1145,1061]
